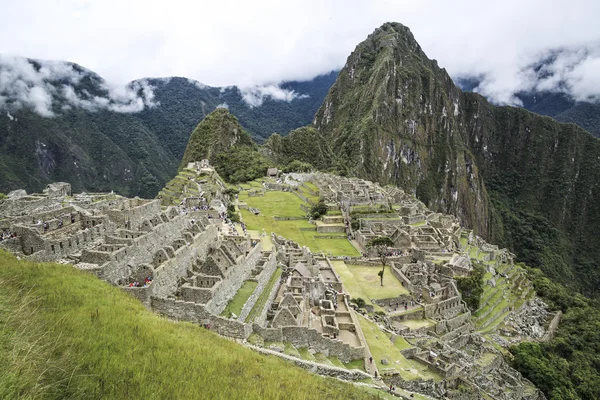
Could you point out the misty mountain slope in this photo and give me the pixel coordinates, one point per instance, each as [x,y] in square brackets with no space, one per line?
[523,180]
[62,122]
[183,103]
[94,151]
[555,104]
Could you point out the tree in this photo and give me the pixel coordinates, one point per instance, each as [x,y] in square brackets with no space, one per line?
[381,243]
[298,166]
[319,209]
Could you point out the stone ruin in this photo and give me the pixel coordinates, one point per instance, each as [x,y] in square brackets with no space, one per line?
[182,259]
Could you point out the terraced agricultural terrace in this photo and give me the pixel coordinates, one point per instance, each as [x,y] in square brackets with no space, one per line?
[308,291]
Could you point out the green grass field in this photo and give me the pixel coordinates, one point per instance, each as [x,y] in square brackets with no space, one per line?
[285,204]
[363,281]
[264,296]
[236,304]
[381,347]
[66,334]
[281,204]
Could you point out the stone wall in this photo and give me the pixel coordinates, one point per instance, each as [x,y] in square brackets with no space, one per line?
[196,294]
[143,248]
[140,293]
[308,337]
[445,309]
[134,217]
[320,369]
[233,281]
[263,279]
[54,249]
[24,205]
[448,325]
[553,326]
[197,313]
[403,279]
[268,334]
[168,274]
[331,228]
[262,317]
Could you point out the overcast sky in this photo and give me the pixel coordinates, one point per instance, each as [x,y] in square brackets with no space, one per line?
[254,42]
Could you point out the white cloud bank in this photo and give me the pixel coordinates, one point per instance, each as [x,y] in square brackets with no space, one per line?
[46,85]
[250,43]
[254,96]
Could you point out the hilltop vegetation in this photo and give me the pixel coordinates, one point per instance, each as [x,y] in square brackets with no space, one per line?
[220,138]
[66,334]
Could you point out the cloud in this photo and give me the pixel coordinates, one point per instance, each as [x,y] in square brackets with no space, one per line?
[50,86]
[259,42]
[254,96]
[571,71]
[223,105]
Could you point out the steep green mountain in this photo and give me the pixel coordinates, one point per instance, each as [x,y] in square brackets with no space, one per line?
[220,138]
[94,151]
[184,102]
[522,180]
[303,143]
[133,150]
[394,116]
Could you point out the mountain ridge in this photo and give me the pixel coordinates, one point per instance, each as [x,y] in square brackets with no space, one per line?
[522,180]
[99,149]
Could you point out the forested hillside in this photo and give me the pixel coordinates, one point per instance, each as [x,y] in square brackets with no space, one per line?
[133,148]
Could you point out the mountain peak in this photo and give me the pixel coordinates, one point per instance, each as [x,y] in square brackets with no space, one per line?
[217,133]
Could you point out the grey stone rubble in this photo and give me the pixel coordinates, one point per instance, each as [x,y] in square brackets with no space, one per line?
[180,257]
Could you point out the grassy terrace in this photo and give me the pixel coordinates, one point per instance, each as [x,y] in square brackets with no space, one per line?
[363,281]
[237,302]
[382,348]
[264,296]
[308,193]
[285,204]
[66,334]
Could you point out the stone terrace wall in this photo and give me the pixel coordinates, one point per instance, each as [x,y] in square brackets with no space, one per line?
[232,282]
[552,327]
[167,275]
[135,215]
[308,337]
[263,280]
[321,369]
[197,313]
[262,318]
[55,249]
[141,250]
[140,293]
[448,325]
[24,205]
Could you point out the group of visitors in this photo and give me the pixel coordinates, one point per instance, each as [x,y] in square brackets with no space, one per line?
[7,234]
[147,282]
[46,226]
